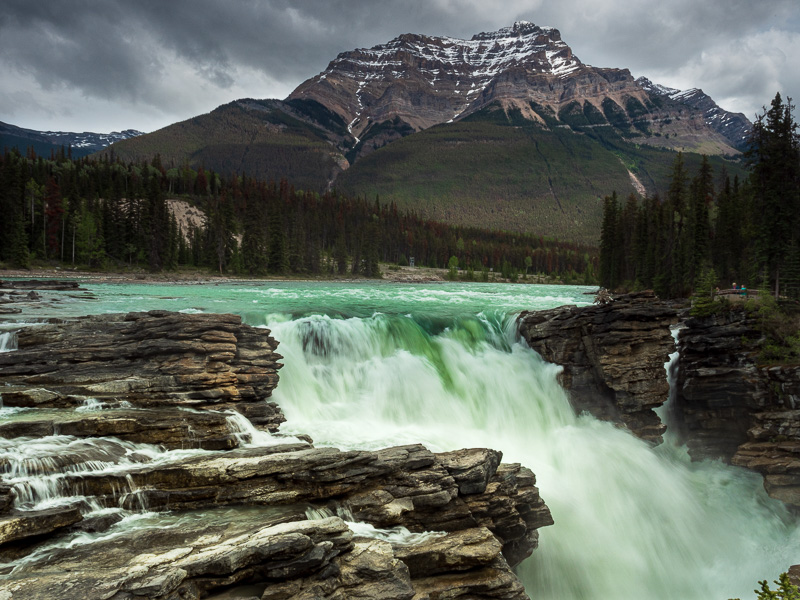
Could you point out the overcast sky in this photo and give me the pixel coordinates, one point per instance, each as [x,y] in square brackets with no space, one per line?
[86,65]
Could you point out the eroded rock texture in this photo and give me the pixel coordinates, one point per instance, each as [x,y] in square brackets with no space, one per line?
[613,357]
[130,476]
[152,359]
[732,408]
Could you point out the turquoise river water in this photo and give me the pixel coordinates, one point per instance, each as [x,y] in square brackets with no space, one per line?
[370,365]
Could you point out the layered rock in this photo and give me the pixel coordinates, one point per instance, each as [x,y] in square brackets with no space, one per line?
[492,521]
[719,385]
[118,416]
[152,359]
[734,128]
[425,80]
[736,410]
[416,81]
[612,355]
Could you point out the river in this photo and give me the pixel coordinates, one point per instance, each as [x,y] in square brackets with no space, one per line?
[370,365]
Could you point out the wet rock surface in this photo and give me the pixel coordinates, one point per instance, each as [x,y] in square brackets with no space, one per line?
[613,357]
[126,472]
[733,408]
[727,406]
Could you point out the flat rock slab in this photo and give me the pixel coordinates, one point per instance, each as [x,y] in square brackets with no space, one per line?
[183,558]
[171,428]
[20,525]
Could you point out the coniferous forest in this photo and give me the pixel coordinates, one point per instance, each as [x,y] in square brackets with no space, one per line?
[711,231]
[103,214]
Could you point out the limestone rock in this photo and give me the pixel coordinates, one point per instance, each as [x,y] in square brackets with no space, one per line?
[146,359]
[169,427]
[370,570]
[19,525]
[184,562]
[613,357]
[718,384]
[229,522]
[733,409]
[457,551]
[493,582]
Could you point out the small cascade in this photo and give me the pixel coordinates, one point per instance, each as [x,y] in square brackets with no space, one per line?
[8,341]
[45,472]
[333,509]
[397,536]
[248,435]
[667,411]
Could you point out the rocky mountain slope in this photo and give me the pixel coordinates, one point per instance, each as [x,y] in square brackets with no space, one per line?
[81,144]
[417,81]
[507,130]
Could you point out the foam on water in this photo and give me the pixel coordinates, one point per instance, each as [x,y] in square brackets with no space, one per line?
[631,521]
[372,365]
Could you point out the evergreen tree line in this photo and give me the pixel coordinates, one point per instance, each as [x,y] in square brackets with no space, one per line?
[105,214]
[735,232]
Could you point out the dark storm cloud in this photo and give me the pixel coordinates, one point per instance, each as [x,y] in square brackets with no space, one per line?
[172,59]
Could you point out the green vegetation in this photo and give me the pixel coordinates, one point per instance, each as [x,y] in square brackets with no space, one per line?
[248,136]
[786,590]
[107,214]
[745,232]
[779,324]
[498,169]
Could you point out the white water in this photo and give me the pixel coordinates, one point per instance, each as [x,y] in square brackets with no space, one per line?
[8,341]
[631,522]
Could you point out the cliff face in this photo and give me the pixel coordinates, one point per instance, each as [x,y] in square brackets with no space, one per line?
[128,413]
[726,406]
[735,410]
[613,357]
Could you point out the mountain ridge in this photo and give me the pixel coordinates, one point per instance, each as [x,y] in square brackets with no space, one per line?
[81,144]
[517,96]
[429,80]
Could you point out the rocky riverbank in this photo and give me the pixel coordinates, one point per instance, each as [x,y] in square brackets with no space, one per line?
[727,406]
[613,357]
[141,457]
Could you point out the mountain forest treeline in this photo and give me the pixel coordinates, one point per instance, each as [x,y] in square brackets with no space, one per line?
[106,214]
[702,235]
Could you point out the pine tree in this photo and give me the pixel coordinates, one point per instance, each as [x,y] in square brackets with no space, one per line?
[608,242]
[775,182]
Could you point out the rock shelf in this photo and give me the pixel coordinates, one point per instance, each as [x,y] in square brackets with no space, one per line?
[126,472]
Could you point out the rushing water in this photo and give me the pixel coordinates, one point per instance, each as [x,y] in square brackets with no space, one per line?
[373,365]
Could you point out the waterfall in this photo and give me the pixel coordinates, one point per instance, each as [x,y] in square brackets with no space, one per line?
[631,521]
[8,341]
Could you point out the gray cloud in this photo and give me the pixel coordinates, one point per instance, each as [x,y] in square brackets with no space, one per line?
[117,64]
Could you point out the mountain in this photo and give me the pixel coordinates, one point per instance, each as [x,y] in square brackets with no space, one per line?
[734,127]
[270,139]
[43,142]
[508,130]
[414,82]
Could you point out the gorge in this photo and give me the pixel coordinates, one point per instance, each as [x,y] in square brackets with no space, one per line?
[375,370]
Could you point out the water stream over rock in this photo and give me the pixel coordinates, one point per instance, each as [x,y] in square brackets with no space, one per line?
[367,367]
